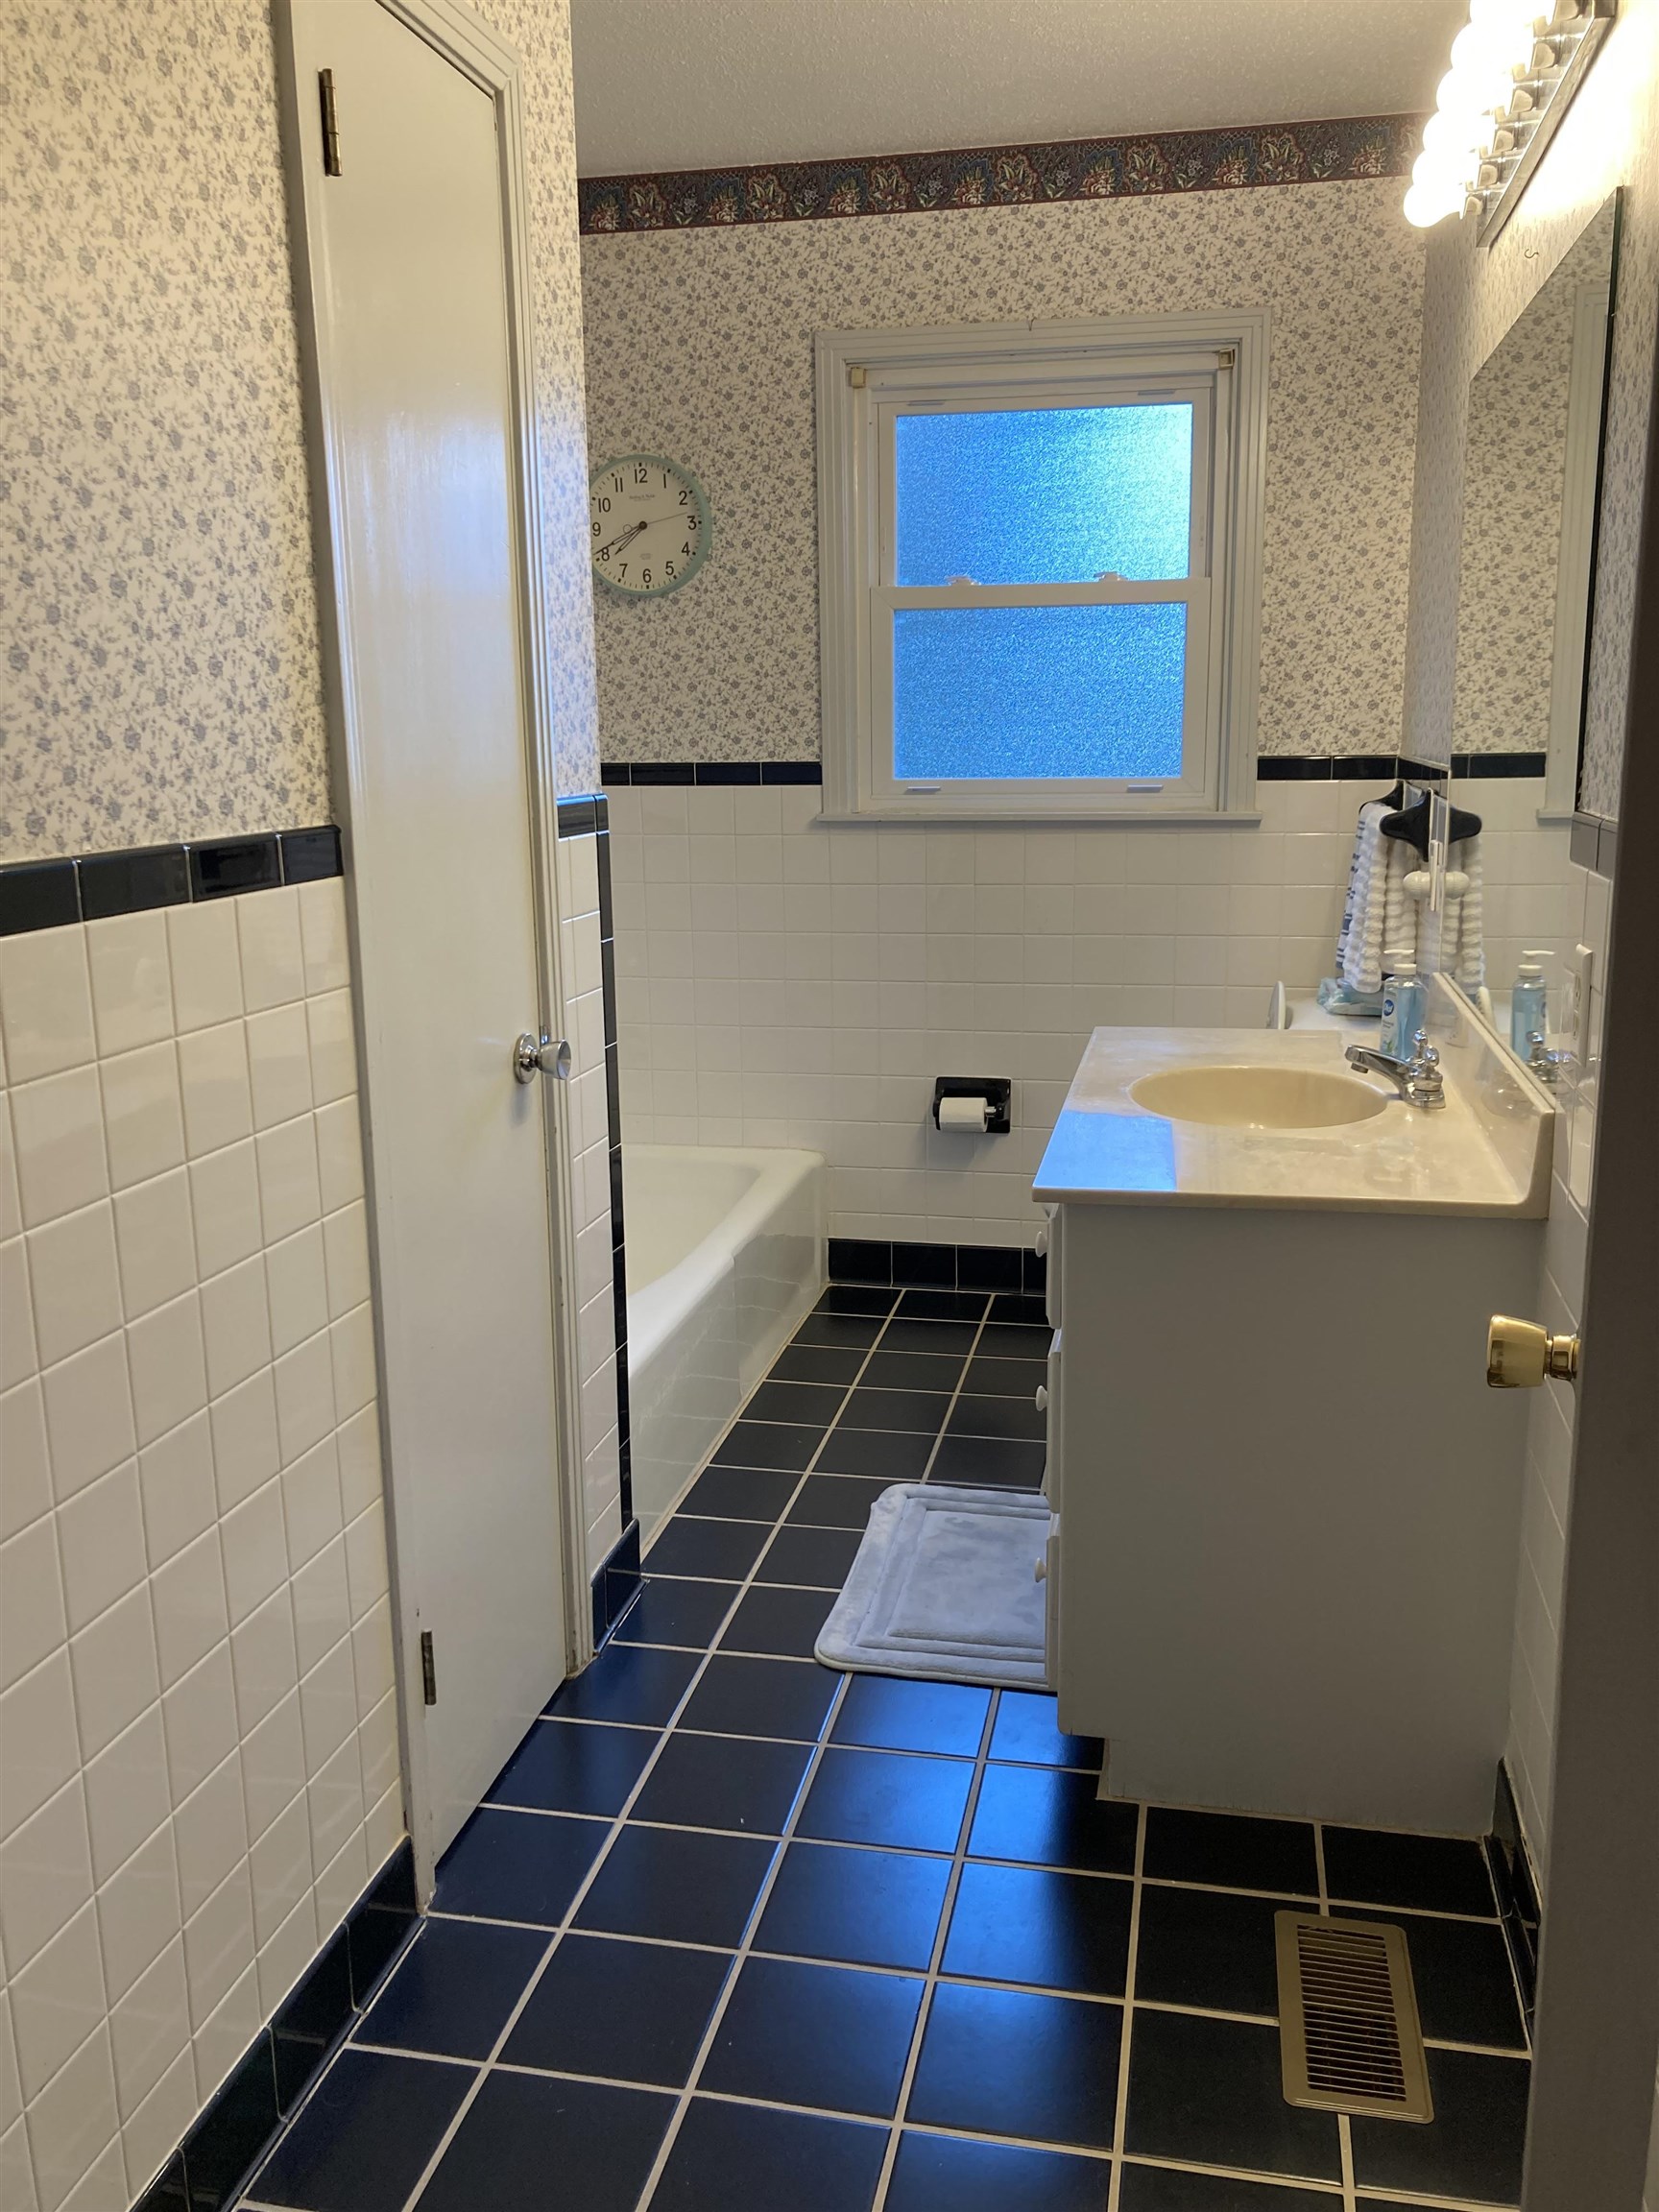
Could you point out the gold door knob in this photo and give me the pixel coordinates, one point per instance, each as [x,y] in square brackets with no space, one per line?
[1520,1354]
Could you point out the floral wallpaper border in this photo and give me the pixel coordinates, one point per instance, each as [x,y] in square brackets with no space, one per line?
[1234,160]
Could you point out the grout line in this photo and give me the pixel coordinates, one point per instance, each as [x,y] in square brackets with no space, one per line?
[1120,2116]
[972,1353]
[751,1927]
[941,1934]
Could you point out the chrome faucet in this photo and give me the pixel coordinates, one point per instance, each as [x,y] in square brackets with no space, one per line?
[1419,1079]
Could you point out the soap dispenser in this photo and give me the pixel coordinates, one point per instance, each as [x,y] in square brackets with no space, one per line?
[1528,1004]
[1404,1002]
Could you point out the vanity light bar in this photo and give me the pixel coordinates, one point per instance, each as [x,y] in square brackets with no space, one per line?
[1515,66]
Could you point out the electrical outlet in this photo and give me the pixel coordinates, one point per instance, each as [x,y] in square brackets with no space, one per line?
[1580,975]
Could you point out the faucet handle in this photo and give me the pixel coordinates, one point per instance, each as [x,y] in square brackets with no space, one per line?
[1423,1053]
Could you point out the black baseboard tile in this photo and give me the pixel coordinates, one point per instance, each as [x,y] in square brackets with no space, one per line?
[585,815]
[905,1265]
[616,1581]
[98,886]
[1488,767]
[710,773]
[230,2137]
[1512,1878]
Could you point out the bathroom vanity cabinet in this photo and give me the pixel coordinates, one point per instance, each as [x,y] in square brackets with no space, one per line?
[1286,1506]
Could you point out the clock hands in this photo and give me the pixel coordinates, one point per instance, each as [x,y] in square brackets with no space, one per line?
[623,538]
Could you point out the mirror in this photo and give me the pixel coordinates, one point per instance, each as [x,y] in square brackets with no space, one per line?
[1531,475]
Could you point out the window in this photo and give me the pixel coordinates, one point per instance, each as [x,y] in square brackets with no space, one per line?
[1039,560]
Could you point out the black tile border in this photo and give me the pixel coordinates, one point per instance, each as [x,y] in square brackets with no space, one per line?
[96,886]
[1594,843]
[1511,1863]
[585,815]
[642,774]
[1485,767]
[616,1583]
[232,2134]
[1241,158]
[909,1266]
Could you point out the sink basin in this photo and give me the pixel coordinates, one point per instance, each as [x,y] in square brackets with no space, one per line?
[1258,1098]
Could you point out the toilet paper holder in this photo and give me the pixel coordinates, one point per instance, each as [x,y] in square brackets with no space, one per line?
[996,1090]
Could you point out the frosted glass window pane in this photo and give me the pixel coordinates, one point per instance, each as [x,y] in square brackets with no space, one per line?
[992,692]
[1045,494]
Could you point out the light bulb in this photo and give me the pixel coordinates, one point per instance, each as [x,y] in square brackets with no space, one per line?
[1427,205]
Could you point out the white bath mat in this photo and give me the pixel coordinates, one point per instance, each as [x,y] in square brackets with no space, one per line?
[945,1585]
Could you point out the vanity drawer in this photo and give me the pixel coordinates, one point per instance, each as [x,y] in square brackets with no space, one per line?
[1049,1244]
[1052,1603]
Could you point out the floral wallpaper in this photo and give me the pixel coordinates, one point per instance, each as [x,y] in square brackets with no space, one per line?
[1005,176]
[700,346]
[161,676]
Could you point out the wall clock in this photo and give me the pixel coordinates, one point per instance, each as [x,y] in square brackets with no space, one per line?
[649,525]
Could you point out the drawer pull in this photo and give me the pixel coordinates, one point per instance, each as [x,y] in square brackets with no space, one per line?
[1041,1399]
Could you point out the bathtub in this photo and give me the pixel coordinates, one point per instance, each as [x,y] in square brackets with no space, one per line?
[725,1254]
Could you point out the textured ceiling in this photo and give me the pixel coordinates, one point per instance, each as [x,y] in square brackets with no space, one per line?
[704,83]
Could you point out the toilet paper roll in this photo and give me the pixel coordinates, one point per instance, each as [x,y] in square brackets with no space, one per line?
[964,1114]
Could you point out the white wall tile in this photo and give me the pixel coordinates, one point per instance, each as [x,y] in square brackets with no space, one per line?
[298,1287]
[138,1912]
[280,1866]
[333,1055]
[306,1402]
[37,1740]
[45,1003]
[154,1242]
[279,1063]
[255,1551]
[115,1670]
[17,2169]
[206,964]
[211,1830]
[225,1202]
[322,935]
[143,1113]
[219,1944]
[162,2120]
[127,1792]
[289,1193]
[32,1614]
[58,2000]
[221,2041]
[235,1325]
[339,1153]
[18,1353]
[87,1405]
[218,1099]
[187,1599]
[200,1714]
[273,964]
[101,1541]
[45,1875]
[311,1501]
[272,1765]
[74,1281]
[25,1480]
[176,1487]
[131,981]
[263,1659]
[246,1453]
[168,1368]
[73,2120]
[346,1250]
[323,1602]
[58,1131]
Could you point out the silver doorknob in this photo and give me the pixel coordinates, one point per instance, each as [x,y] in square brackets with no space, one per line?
[534,1056]
[1520,1354]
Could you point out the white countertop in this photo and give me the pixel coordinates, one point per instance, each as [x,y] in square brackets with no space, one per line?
[1486,1152]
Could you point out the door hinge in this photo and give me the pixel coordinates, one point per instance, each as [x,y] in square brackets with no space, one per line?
[428,1670]
[330,142]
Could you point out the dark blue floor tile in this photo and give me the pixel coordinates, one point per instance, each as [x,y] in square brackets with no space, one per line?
[849,1332]
[917,1412]
[868,1908]
[739,1494]
[1161,2189]
[1210,1949]
[958,1306]
[783,1623]
[454,1990]
[930,1371]
[1231,1851]
[745,2158]
[571,1766]
[999,1463]
[909,1802]
[880,1455]
[629,2012]
[1433,1873]
[517,1865]
[944,1340]
[1211,2092]
[706,1550]
[802,1405]
[1051,1819]
[850,1298]
[520,2131]
[668,1611]
[785,1444]
[942,2174]
[999,1420]
[809,1558]
[735,1782]
[1027,1732]
[1462,1973]
[741,1696]
[1472,2147]
[992,1378]
[819,2035]
[888,1714]
[1014,1340]
[626,1683]
[1052,1931]
[1019,1310]
[1001,2063]
[835,1502]
[803,1361]
[363,2138]
[684,1888]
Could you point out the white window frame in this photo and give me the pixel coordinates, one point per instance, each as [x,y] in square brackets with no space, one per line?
[865,378]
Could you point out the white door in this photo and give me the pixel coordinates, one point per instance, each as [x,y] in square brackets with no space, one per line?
[408,273]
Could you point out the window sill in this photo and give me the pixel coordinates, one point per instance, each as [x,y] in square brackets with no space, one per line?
[1011,818]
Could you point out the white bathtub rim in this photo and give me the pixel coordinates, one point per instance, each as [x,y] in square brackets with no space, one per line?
[657,1310]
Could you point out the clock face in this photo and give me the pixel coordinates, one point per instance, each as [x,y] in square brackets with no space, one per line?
[648,525]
